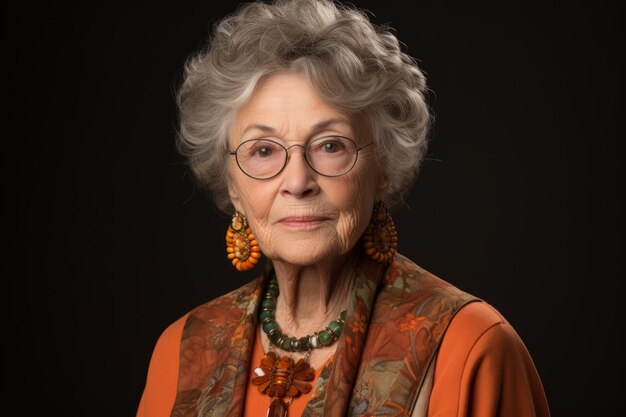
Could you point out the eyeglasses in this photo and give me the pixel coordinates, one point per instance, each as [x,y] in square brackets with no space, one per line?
[330,156]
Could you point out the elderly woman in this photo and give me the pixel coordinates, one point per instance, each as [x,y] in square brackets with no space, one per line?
[307,122]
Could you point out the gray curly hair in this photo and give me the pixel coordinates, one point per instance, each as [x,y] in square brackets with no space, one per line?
[355,66]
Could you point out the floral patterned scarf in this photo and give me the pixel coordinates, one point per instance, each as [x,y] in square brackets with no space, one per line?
[395,321]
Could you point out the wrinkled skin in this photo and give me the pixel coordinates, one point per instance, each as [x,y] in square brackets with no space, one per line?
[288,105]
[308,224]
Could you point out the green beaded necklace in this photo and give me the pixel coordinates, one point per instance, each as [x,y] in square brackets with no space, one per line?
[287,343]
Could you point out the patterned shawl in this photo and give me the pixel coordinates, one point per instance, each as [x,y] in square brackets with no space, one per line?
[395,321]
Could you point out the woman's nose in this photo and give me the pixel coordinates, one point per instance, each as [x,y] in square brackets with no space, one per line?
[299,179]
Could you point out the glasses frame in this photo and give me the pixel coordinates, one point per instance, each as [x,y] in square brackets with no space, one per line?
[304,147]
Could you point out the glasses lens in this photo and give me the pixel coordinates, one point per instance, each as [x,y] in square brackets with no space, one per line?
[332,155]
[261,158]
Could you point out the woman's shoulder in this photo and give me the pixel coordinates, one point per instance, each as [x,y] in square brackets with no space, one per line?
[171,335]
[480,339]
[160,390]
[484,368]
[475,326]
[480,319]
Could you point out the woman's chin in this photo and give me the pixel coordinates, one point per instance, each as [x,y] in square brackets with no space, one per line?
[306,253]
[300,259]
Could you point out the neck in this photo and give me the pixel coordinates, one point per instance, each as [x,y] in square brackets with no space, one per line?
[312,296]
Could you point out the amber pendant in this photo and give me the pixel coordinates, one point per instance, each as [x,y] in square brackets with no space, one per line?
[278,408]
[281,377]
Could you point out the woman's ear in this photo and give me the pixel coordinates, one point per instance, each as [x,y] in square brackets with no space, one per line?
[382,186]
[233,193]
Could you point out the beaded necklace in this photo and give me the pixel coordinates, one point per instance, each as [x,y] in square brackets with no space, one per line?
[282,378]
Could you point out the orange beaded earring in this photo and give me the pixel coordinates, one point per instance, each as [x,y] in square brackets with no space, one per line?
[380,239]
[241,245]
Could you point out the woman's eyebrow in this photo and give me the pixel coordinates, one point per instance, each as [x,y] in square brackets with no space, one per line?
[326,123]
[314,129]
[262,128]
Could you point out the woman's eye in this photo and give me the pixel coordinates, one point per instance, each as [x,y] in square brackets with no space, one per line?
[263,152]
[331,146]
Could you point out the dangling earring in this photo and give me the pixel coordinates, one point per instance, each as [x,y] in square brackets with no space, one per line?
[380,239]
[241,245]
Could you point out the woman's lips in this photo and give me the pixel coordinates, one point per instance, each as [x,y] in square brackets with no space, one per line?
[302,222]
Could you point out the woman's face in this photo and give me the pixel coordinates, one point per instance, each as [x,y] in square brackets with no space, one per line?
[300,216]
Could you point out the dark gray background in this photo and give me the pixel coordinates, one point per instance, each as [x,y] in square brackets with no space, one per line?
[107,241]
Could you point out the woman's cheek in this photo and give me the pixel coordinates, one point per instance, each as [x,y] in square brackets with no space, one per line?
[358,207]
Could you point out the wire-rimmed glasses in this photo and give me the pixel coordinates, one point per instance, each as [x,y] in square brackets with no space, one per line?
[330,156]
